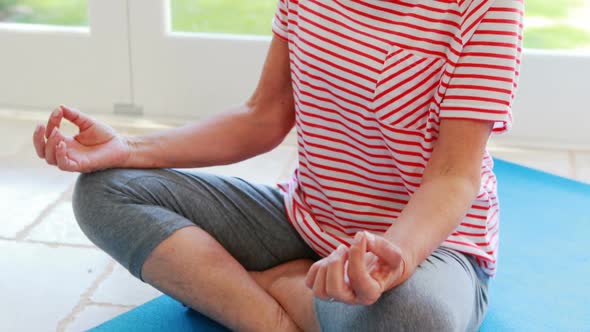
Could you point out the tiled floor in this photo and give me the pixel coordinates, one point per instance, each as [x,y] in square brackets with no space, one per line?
[53,278]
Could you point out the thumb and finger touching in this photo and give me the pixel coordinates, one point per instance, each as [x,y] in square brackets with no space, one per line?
[90,132]
[82,121]
[370,278]
[384,249]
[391,265]
[59,150]
[349,276]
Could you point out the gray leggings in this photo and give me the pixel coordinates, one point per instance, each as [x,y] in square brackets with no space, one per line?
[128,212]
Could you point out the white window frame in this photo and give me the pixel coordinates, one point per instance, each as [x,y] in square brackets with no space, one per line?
[189,74]
[44,65]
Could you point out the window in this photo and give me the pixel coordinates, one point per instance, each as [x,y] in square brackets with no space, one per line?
[252,17]
[557,24]
[53,12]
[549,24]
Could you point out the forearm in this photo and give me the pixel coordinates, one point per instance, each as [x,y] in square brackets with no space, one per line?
[430,216]
[229,137]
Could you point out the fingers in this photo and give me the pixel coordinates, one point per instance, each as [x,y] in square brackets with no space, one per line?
[363,285]
[63,162]
[327,277]
[311,274]
[39,141]
[385,250]
[336,286]
[319,286]
[53,121]
[49,142]
[82,121]
[50,147]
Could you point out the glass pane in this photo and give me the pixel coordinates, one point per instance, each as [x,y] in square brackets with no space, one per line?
[252,17]
[54,12]
[557,24]
[549,24]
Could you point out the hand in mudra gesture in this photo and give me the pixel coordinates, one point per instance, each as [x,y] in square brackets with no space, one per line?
[359,274]
[96,146]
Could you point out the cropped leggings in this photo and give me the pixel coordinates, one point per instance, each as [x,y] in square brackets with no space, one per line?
[129,212]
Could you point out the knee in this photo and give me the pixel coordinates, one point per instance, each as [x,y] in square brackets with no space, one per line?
[431,314]
[92,188]
[401,309]
[93,194]
[420,311]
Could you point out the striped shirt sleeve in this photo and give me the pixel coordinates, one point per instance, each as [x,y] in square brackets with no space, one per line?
[280,21]
[483,83]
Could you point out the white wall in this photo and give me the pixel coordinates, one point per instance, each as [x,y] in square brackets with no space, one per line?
[551,107]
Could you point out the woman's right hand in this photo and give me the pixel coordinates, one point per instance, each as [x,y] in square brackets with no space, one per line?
[97,146]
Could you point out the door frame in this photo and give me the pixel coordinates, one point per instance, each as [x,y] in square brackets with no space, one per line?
[45,65]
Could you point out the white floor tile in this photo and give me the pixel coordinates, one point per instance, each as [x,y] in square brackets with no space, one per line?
[25,192]
[27,184]
[40,285]
[583,166]
[555,162]
[19,132]
[123,289]
[60,226]
[266,168]
[92,316]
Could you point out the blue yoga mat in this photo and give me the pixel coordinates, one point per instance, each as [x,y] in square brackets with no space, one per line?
[543,281]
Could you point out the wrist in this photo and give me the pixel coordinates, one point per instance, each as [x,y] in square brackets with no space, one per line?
[408,262]
[406,269]
[130,147]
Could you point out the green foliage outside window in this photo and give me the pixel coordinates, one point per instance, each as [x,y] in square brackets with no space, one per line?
[550,24]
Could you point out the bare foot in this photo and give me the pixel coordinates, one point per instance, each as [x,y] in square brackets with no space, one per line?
[293,268]
[286,283]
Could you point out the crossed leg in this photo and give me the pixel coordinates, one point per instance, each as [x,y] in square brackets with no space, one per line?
[195,236]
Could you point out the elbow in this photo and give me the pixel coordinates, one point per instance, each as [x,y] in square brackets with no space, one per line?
[271,124]
[467,186]
[272,133]
[470,182]
[468,179]
[273,140]
[474,184]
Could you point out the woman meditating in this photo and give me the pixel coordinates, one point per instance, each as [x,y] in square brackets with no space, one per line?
[390,221]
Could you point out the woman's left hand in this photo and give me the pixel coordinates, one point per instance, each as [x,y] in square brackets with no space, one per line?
[359,274]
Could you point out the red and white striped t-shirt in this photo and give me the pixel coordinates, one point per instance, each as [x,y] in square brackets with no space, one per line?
[372,80]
